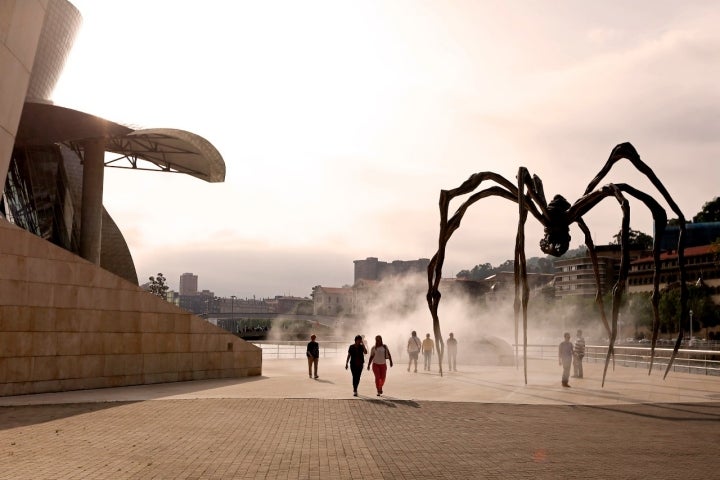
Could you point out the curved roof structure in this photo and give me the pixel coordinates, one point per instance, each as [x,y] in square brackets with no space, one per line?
[169,150]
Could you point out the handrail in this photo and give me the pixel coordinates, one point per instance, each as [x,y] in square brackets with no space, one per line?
[688,360]
[704,362]
[296,349]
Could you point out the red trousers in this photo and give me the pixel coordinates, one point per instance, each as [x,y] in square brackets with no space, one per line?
[380,371]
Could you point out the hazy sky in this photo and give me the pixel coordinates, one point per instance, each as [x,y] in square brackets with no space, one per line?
[340,122]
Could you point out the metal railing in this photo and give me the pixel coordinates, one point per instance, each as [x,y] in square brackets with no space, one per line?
[703,362]
[297,349]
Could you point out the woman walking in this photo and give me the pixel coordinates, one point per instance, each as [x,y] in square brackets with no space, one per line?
[379,353]
[356,358]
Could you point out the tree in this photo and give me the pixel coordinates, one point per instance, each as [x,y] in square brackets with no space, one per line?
[710,212]
[158,287]
[578,252]
[638,311]
[705,313]
[637,240]
[478,272]
[541,265]
[669,309]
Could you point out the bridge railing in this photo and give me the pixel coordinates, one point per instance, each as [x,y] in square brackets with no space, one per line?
[704,362]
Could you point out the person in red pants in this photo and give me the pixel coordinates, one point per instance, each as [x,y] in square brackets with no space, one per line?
[379,355]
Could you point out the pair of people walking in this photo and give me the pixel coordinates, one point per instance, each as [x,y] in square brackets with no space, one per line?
[379,358]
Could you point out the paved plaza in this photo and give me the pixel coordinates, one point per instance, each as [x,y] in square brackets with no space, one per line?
[480,422]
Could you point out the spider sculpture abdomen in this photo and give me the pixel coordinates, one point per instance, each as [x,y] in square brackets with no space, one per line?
[557,232]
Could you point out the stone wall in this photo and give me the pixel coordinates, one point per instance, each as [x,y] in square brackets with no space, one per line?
[67,324]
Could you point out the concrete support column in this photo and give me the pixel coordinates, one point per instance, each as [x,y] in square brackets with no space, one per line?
[92,195]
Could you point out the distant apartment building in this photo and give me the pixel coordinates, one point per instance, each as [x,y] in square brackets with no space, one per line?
[332,300]
[292,305]
[373,269]
[702,267]
[574,277]
[201,303]
[248,305]
[188,284]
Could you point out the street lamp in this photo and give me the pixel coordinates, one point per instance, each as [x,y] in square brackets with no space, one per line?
[691,315]
[232,312]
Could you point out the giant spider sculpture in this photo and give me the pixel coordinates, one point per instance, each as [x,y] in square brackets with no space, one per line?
[556,217]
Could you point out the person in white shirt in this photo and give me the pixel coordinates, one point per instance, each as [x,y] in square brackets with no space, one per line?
[452,353]
[578,354]
[379,353]
[413,349]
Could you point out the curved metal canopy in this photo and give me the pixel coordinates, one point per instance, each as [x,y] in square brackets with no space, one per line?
[169,150]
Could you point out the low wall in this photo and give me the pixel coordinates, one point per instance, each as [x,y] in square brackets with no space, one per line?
[67,324]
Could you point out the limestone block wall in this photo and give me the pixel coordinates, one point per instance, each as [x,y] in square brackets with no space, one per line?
[66,324]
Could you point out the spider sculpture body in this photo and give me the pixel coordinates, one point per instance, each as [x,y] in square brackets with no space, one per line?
[556,217]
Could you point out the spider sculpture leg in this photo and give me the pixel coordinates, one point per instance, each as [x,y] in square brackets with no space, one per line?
[527,203]
[587,202]
[520,266]
[448,225]
[596,273]
[627,151]
[619,287]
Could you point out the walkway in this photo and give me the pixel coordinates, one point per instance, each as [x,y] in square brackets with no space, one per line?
[481,422]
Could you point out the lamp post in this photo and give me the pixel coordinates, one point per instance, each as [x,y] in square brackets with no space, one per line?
[232,312]
[691,315]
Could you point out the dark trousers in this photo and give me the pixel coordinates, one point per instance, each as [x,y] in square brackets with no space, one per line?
[356,372]
[312,362]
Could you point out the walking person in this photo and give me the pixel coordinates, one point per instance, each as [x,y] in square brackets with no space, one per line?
[379,354]
[356,359]
[452,353]
[427,347]
[565,356]
[413,348]
[578,354]
[313,355]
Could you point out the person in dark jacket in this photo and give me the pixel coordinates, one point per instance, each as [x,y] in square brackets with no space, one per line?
[356,359]
[313,354]
[565,357]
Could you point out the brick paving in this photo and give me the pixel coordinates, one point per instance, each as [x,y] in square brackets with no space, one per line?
[166,437]
[364,437]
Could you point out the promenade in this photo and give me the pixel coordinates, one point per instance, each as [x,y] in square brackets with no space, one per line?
[480,422]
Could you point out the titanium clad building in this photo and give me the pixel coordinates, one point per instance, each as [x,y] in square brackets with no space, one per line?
[72,315]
